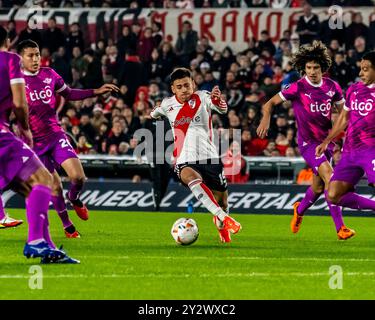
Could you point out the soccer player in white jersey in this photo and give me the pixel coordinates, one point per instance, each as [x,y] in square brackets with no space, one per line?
[197,161]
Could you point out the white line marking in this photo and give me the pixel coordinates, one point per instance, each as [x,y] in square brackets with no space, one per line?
[231,258]
[204,275]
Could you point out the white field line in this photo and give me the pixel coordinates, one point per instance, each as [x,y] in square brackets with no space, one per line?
[230,258]
[187,276]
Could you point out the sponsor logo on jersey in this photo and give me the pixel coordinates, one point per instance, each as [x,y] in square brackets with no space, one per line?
[184,120]
[323,108]
[170,109]
[363,108]
[43,95]
[308,95]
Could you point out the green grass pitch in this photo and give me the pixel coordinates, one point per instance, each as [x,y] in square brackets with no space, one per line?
[133,256]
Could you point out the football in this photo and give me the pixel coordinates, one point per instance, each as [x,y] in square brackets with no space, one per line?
[185,231]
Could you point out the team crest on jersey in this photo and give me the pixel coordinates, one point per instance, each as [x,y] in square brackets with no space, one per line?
[192,103]
[373,94]
[47,80]
[330,93]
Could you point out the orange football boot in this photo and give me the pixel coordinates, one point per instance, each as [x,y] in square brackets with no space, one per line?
[223,233]
[296,222]
[345,233]
[231,225]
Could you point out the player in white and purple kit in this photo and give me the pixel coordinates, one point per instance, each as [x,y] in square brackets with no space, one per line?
[313,98]
[358,156]
[50,141]
[19,164]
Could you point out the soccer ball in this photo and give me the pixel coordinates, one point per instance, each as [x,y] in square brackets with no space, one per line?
[185,231]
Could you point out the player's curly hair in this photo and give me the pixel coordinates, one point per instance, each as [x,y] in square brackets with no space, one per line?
[316,52]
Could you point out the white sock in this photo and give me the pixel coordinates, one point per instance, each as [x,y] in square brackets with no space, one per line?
[204,195]
[35,242]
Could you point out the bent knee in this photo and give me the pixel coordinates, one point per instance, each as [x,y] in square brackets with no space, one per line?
[43,177]
[333,196]
[78,178]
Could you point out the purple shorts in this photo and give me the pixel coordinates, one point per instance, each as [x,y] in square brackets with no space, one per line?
[54,152]
[17,161]
[308,153]
[354,165]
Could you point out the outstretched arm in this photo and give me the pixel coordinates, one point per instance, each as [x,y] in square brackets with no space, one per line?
[267,108]
[81,94]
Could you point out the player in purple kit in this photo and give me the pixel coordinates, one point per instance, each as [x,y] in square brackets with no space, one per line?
[313,98]
[50,141]
[358,156]
[19,164]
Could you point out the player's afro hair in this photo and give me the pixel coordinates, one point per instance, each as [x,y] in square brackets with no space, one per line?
[317,52]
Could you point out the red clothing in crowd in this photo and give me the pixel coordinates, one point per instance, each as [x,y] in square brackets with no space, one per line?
[235,168]
[254,147]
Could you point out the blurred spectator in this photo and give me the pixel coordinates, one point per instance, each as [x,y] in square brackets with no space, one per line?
[77,61]
[146,45]
[265,42]
[308,25]
[235,166]
[157,33]
[86,128]
[271,147]
[83,147]
[355,29]
[98,118]
[92,76]
[132,73]
[53,38]
[116,136]
[186,43]
[45,60]
[340,70]
[61,64]
[30,33]
[127,41]
[305,176]
[74,39]
[12,33]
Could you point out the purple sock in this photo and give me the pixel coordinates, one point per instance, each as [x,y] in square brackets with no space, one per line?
[2,212]
[307,201]
[75,190]
[354,201]
[336,213]
[60,207]
[47,235]
[36,210]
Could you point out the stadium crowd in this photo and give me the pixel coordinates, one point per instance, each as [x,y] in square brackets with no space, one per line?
[183,4]
[140,60]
